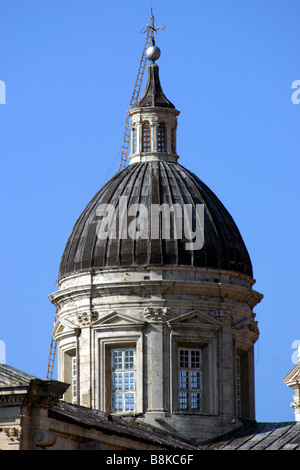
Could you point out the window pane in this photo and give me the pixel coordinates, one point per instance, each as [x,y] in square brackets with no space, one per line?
[161,138]
[183,401]
[74,379]
[238,385]
[129,380]
[129,401]
[195,401]
[173,140]
[118,381]
[195,359]
[118,405]
[183,379]
[146,137]
[117,359]
[129,359]
[184,358]
[195,379]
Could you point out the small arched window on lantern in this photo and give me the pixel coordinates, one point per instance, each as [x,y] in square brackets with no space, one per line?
[161,137]
[146,137]
[173,140]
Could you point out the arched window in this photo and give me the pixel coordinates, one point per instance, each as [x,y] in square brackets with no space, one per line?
[146,137]
[161,137]
[173,140]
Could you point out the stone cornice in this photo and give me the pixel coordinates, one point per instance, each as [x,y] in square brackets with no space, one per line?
[159,287]
[162,272]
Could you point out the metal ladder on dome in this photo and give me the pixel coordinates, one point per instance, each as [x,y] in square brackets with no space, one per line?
[134,98]
[52,352]
[124,156]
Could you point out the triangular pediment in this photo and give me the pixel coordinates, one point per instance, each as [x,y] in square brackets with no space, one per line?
[59,329]
[63,326]
[116,319]
[246,324]
[293,377]
[253,327]
[194,319]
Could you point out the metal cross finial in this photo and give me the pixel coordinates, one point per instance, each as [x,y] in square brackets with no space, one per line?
[151,27]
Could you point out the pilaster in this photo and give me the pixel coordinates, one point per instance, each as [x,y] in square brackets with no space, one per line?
[226,365]
[156,355]
[296,403]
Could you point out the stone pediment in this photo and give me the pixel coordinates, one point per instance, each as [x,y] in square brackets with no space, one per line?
[59,329]
[118,320]
[195,319]
[293,377]
[63,326]
[246,324]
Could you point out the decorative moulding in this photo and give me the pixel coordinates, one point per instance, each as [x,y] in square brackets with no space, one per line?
[195,320]
[118,320]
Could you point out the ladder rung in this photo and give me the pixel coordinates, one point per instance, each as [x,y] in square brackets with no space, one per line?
[134,98]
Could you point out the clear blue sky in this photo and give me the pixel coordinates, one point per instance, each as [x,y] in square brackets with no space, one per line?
[69,67]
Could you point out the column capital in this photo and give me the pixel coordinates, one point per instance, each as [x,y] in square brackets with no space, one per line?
[154,314]
[44,393]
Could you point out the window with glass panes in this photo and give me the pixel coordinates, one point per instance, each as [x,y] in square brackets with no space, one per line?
[173,140]
[146,137]
[238,385]
[190,379]
[161,137]
[123,379]
[74,379]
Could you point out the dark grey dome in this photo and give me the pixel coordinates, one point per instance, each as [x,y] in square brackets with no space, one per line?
[156,182]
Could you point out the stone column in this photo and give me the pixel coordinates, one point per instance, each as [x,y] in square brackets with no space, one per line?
[296,404]
[154,126]
[156,353]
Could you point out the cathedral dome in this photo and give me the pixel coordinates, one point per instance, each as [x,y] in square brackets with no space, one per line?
[154,179]
[154,310]
[146,184]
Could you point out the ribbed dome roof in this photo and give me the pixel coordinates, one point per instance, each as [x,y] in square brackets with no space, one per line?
[156,182]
